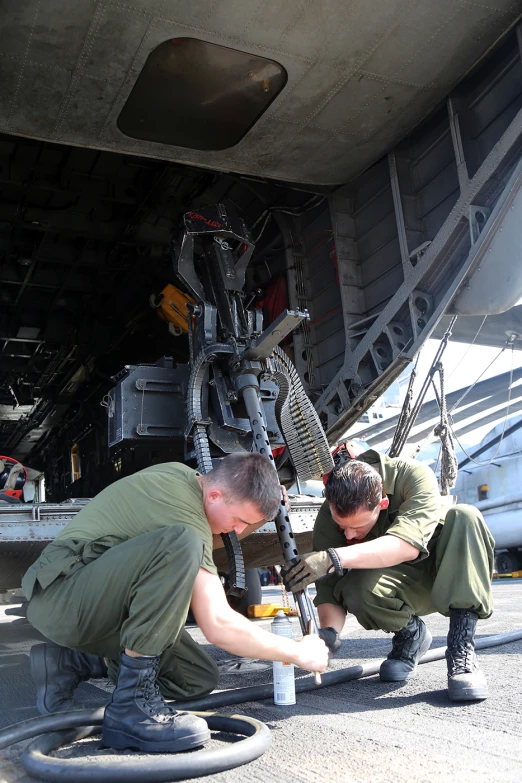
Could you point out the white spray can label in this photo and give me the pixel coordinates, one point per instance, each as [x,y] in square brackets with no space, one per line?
[284,677]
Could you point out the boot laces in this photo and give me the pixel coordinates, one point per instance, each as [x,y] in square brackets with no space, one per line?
[405,644]
[461,648]
[151,700]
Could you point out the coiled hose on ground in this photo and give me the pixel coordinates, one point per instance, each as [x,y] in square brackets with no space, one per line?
[163,768]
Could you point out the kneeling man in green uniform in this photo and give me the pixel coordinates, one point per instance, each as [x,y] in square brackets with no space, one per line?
[113,591]
[387,553]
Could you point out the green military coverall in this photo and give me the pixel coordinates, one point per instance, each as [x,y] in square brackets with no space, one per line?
[454,566]
[121,574]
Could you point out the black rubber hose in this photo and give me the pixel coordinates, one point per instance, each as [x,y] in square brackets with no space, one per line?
[44,724]
[258,692]
[51,723]
[160,768]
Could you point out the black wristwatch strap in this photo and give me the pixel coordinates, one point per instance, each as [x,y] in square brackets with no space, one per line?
[336,560]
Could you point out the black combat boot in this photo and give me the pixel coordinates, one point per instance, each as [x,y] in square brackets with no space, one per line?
[466,682]
[408,647]
[138,718]
[57,672]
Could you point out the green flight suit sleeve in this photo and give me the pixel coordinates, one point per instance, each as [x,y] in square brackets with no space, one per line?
[325,536]
[419,511]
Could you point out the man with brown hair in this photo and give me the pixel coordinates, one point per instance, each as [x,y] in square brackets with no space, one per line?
[387,552]
[118,582]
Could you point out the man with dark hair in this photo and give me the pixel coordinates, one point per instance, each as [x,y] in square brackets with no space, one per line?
[114,589]
[387,552]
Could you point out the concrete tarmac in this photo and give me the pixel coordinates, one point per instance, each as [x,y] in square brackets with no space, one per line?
[363,731]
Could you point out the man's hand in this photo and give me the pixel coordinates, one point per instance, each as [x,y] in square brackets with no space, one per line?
[284,495]
[305,569]
[312,654]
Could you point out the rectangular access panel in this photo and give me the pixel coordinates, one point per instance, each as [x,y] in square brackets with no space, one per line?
[196,94]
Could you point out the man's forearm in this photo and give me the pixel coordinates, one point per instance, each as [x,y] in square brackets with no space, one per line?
[331,616]
[382,552]
[235,634]
[240,636]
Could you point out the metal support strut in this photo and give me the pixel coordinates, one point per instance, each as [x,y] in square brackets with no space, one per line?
[248,386]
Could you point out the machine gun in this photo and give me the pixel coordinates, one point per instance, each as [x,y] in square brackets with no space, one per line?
[244,393]
[239,393]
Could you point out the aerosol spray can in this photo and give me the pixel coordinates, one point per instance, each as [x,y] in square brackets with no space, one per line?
[284,677]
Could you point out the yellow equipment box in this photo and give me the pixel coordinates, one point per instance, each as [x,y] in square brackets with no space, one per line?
[269,610]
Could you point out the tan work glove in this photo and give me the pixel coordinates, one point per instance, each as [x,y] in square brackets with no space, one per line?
[302,570]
